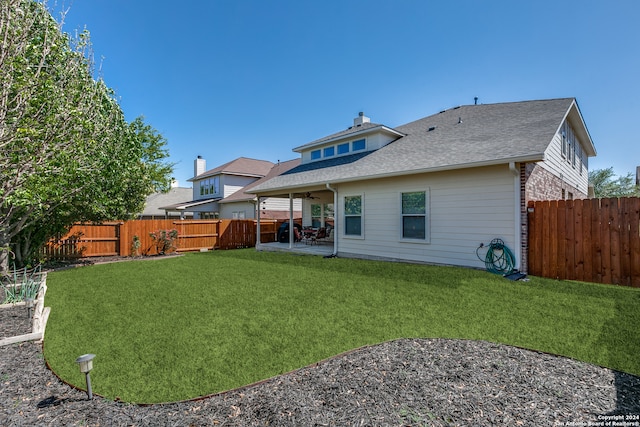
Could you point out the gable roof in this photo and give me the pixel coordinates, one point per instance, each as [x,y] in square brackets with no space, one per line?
[156,202]
[461,137]
[277,169]
[242,166]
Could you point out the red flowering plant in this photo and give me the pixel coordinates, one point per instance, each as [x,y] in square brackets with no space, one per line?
[164,240]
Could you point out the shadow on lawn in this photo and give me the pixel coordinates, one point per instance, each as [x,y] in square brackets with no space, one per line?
[619,333]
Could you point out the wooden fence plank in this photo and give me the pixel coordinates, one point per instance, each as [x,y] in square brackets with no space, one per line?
[625,255]
[578,238]
[557,239]
[605,233]
[587,258]
[634,241]
[596,250]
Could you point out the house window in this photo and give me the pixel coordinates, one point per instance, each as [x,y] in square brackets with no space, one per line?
[204,187]
[578,159]
[210,186]
[343,148]
[238,215]
[315,155]
[353,215]
[316,215]
[414,215]
[209,215]
[322,215]
[329,151]
[358,145]
[564,139]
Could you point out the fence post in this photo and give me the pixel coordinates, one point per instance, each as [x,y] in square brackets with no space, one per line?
[125,239]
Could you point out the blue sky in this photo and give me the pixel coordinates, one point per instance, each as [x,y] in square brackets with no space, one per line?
[224,79]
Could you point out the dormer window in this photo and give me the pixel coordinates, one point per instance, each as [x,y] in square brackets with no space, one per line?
[358,145]
[340,149]
[329,151]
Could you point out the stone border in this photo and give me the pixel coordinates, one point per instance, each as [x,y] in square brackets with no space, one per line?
[40,317]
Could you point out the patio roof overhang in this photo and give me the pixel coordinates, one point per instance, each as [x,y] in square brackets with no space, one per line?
[187,205]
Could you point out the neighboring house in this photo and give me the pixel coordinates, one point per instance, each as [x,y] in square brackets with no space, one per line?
[219,193]
[155,205]
[240,203]
[432,190]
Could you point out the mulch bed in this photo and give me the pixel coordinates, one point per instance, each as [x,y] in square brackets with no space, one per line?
[407,382]
[434,382]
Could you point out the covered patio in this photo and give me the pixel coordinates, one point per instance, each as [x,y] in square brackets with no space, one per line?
[321,248]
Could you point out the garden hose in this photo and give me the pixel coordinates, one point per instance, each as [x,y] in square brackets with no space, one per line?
[499,258]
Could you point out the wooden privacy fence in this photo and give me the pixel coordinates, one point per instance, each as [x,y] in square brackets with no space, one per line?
[117,238]
[592,240]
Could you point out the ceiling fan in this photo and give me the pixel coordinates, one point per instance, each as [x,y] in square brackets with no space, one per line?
[309,196]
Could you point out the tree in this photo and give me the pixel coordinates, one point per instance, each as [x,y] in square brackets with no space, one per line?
[67,153]
[605,184]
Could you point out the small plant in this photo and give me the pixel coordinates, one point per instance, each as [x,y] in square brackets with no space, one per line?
[22,284]
[135,246]
[164,240]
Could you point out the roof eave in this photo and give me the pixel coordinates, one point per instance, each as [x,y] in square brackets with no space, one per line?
[535,157]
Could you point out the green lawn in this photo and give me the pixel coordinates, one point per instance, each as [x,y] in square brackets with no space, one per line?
[178,328]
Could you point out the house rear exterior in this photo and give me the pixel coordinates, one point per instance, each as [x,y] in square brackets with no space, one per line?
[432,190]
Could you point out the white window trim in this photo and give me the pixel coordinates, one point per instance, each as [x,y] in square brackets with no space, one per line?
[343,233]
[335,150]
[427,231]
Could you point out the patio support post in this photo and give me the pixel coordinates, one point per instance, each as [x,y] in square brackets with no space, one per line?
[258,234]
[291,232]
[335,218]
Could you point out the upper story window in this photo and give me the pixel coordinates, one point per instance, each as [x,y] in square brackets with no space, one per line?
[340,149]
[358,145]
[210,186]
[570,145]
[329,151]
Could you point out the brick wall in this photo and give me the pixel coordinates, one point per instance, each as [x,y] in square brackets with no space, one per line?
[543,185]
[536,183]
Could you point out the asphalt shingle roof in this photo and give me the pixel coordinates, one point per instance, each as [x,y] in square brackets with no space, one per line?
[240,166]
[460,137]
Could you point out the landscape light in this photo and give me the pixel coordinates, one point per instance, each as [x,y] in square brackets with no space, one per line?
[86,365]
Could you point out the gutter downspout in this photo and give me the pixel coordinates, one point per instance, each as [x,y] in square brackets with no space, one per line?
[335,219]
[517,214]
